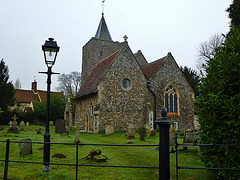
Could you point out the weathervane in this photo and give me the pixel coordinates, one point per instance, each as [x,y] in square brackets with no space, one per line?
[103,6]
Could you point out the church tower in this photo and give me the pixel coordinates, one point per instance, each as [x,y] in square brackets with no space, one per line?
[97,49]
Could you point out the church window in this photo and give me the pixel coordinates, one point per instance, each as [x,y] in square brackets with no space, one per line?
[126,84]
[92,109]
[171,100]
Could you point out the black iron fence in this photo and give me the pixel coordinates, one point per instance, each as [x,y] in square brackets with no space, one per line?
[76,164]
[196,144]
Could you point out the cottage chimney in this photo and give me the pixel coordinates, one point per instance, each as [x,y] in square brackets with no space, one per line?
[34,86]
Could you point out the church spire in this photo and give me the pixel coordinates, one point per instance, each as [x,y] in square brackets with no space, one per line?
[102,31]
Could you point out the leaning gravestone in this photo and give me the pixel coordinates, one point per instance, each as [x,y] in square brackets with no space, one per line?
[25,148]
[109,130]
[131,131]
[60,126]
[22,124]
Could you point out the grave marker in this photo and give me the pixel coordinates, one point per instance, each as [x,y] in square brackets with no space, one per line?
[60,126]
[109,130]
[13,127]
[22,124]
[25,148]
[131,131]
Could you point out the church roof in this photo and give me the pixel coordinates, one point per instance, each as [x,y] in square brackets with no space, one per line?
[152,68]
[28,96]
[90,85]
[102,31]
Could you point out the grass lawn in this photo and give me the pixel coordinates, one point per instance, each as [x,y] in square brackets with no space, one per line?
[119,156]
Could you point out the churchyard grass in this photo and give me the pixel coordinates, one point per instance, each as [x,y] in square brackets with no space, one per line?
[122,156]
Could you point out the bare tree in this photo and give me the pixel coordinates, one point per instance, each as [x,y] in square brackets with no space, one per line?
[206,51]
[17,84]
[69,84]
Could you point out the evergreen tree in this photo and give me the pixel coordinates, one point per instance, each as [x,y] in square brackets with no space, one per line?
[192,77]
[6,88]
[234,13]
[218,107]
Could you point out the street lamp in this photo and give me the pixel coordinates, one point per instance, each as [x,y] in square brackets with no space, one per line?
[50,50]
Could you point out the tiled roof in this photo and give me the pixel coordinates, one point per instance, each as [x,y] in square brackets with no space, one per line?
[152,68]
[27,96]
[90,85]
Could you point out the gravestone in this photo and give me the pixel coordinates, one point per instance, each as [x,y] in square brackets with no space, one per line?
[172,134]
[25,148]
[188,137]
[13,128]
[109,130]
[11,124]
[60,126]
[131,131]
[27,123]
[14,120]
[77,133]
[22,124]
[51,123]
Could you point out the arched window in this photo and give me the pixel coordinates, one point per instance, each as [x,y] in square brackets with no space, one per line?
[171,100]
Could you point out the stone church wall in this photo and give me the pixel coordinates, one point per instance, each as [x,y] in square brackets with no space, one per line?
[170,74]
[93,52]
[121,106]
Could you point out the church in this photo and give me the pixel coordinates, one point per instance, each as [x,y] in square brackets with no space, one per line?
[119,87]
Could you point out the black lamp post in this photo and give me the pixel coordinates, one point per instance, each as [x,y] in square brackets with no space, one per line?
[50,49]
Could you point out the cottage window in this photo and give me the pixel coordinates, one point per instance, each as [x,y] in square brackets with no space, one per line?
[171,101]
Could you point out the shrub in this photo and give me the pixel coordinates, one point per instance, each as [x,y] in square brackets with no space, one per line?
[218,107]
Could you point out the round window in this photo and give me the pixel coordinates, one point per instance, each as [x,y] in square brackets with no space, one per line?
[126,83]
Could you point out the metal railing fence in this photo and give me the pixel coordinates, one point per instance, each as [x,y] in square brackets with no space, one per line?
[76,164]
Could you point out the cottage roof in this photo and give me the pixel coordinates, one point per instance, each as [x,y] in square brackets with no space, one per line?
[28,96]
[152,68]
[90,85]
[102,31]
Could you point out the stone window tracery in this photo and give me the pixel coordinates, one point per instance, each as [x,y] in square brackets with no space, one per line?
[171,101]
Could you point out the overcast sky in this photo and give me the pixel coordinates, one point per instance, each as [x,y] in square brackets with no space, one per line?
[155,27]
